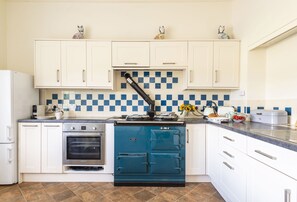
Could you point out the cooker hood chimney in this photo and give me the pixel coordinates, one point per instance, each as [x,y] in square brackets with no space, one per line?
[151,112]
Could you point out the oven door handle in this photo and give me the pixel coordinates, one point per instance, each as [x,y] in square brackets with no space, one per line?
[83,134]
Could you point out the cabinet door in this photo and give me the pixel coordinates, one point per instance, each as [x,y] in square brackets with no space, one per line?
[47,64]
[130,54]
[226,64]
[30,148]
[73,57]
[99,71]
[51,158]
[195,149]
[131,163]
[212,155]
[200,64]
[266,184]
[165,139]
[169,54]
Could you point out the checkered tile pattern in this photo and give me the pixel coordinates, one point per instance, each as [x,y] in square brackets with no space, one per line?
[131,102]
[153,79]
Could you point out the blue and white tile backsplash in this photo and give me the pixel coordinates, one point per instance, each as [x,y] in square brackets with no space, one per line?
[165,87]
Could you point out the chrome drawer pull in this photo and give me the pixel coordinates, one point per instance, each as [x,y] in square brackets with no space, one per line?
[29,126]
[228,154]
[266,155]
[169,63]
[228,138]
[51,126]
[130,63]
[287,195]
[226,164]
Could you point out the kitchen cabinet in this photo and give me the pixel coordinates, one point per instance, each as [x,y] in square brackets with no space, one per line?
[195,149]
[130,54]
[99,70]
[47,64]
[169,54]
[200,64]
[212,153]
[267,184]
[73,64]
[30,147]
[51,148]
[40,148]
[213,64]
[226,64]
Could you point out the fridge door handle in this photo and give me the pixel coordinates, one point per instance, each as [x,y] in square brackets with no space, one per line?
[9,155]
[8,133]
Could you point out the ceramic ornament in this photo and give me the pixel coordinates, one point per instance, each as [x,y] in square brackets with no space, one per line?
[221,33]
[80,33]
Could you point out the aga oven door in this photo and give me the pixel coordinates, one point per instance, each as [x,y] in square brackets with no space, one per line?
[83,149]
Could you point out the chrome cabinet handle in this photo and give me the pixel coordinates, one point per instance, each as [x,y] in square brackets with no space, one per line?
[266,155]
[109,76]
[190,75]
[29,126]
[169,63]
[188,136]
[287,195]
[216,76]
[51,126]
[226,164]
[58,75]
[83,75]
[130,63]
[228,154]
[228,138]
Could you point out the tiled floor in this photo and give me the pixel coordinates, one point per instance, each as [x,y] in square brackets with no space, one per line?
[106,192]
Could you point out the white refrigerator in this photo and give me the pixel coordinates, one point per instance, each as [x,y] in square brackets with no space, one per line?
[17,95]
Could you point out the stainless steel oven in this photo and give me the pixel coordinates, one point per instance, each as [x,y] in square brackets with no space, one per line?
[83,144]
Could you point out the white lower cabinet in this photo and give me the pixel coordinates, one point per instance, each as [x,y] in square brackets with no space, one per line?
[51,148]
[267,184]
[30,148]
[195,149]
[40,148]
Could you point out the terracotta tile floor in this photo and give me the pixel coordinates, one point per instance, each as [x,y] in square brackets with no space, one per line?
[106,192]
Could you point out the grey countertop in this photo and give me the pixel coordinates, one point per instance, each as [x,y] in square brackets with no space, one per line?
[281,136]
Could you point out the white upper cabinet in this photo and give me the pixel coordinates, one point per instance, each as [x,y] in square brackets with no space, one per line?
[213,64]
[200,64]
[74,66]
[47,64]
[99,70]
[169,54]
[130,54]
[226,64]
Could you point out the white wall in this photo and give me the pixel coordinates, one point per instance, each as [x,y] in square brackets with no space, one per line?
[2,35]
[266,73]
[29,20]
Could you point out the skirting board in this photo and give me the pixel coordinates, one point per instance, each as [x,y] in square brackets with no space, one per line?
[66,178]
[90,178]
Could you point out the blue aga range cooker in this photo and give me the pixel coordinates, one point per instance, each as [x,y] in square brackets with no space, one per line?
[149,153]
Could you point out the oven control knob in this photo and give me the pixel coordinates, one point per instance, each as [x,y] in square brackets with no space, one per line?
[94,128]
[72,128]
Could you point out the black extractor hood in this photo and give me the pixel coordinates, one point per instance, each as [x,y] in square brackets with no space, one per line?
[151,112]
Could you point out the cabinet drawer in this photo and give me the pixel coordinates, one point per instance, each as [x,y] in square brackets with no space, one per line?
[130,163]
[233,139]
[165,163]
[277,157]
[232,155]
